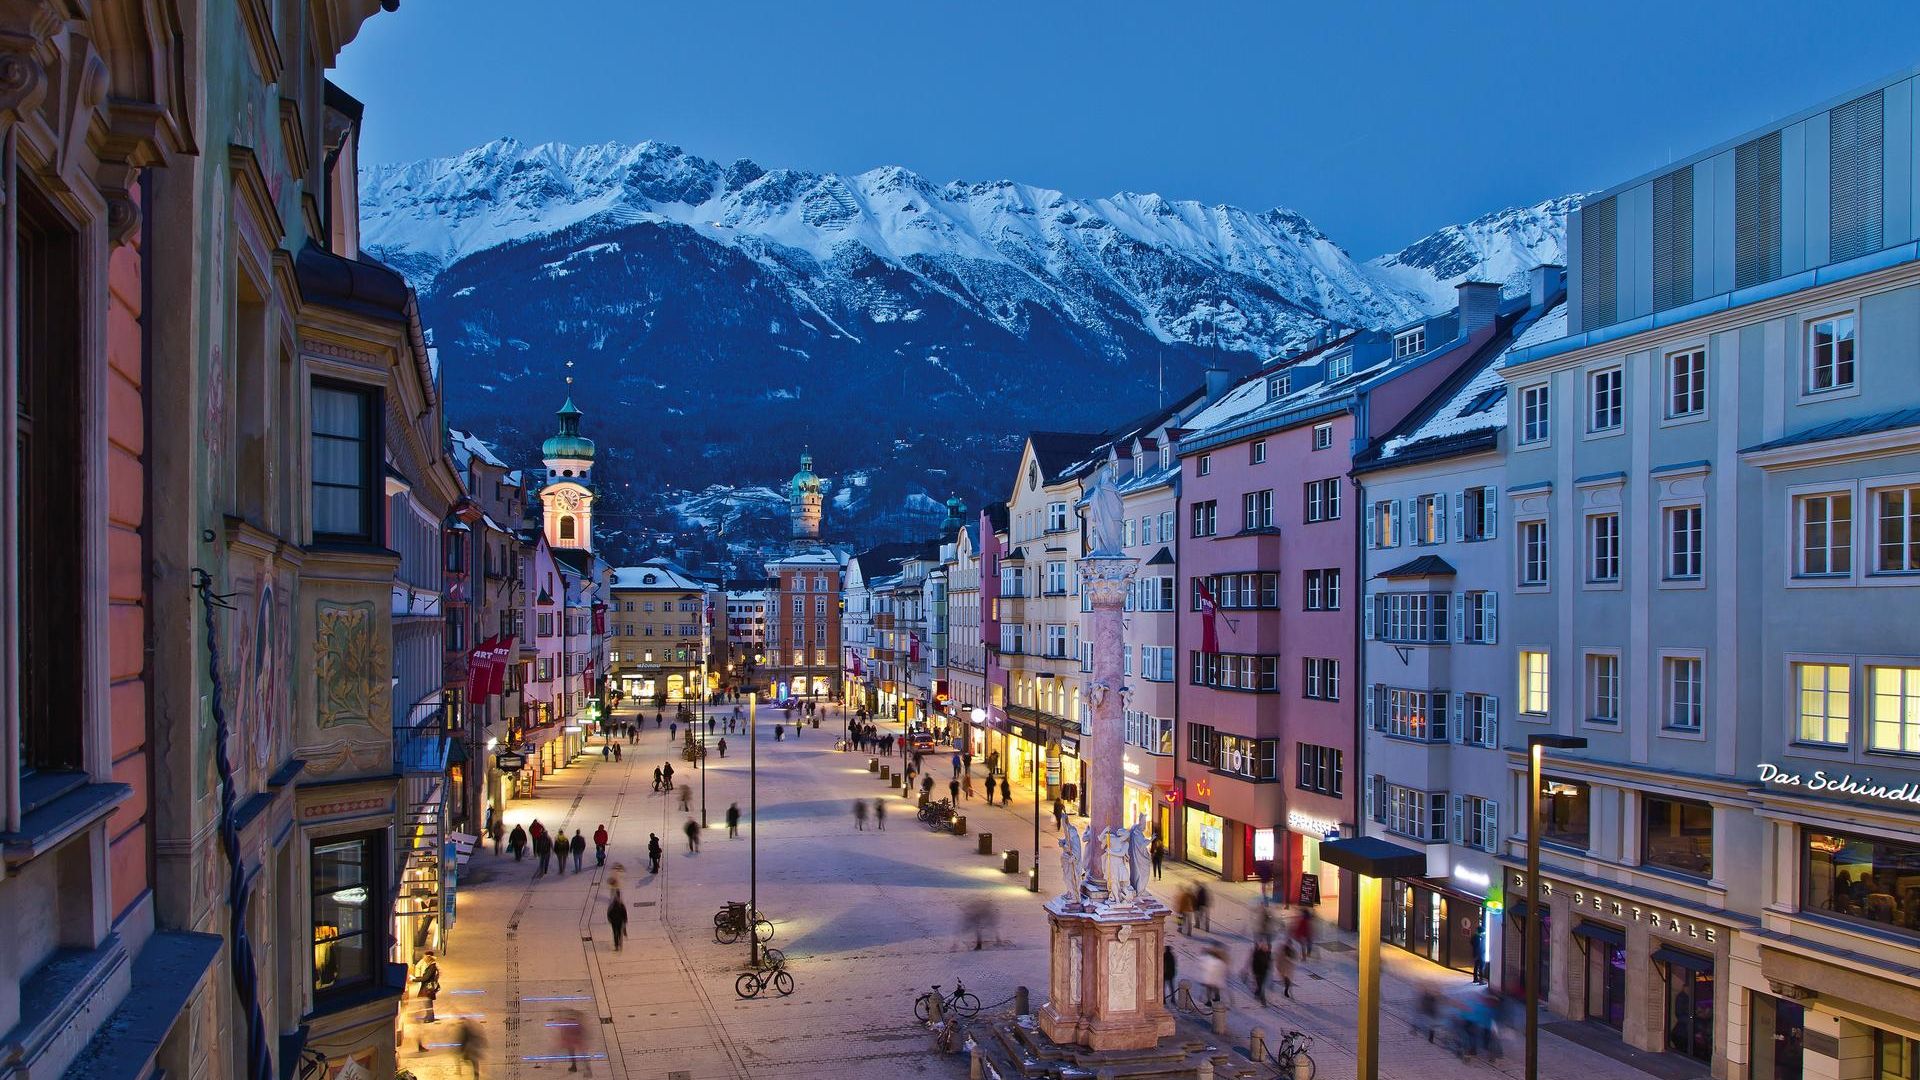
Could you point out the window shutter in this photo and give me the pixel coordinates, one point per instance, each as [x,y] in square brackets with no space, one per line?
[1367,608]
[1403,522]
[1373,538]
[1490,511]
[1460,619]
[1492,633]
[1493,722]
[1367,789]
[1855,164]
[1490,833]
[1440,517]
[1673,239]
[1460,718]
[1756,211]
[1599,271]
[1459,515]
[1459,833]
[1379,798]
[1373,722]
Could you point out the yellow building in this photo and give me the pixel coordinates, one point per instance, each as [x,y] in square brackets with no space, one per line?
[660,624]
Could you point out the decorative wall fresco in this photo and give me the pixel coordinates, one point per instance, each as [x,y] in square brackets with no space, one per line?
[350,666]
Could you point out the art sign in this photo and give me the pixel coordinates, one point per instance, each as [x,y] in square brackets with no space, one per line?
[1842,784]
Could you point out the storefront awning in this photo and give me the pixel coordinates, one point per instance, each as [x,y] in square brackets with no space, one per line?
[1682,958]
[1601,932]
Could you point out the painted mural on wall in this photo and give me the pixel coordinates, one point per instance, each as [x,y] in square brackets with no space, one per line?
[350,669]
[259,690]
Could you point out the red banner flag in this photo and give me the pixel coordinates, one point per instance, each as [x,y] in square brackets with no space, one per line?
[477,670]
[1209,619]
[913,648]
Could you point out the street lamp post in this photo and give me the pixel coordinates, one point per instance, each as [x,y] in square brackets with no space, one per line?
[753,830]
[1372,860]
[1537,745]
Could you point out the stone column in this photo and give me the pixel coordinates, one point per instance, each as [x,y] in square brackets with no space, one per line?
[1105,578]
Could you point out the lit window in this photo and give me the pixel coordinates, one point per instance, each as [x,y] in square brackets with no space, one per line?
[1824,529]
[348,918]
[1830,354]
[1534,681]
[1825,696]
[1895,723]
[1686,383]
[1606,398]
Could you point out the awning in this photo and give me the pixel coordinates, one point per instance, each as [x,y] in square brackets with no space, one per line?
[1683,958]
[1601,932]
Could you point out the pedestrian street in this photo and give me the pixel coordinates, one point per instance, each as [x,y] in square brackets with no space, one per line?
[867,920]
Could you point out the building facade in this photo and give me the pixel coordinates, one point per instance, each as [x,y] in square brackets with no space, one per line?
[1710,491]
[803,638]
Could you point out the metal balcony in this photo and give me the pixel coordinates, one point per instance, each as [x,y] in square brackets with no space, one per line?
[420,741]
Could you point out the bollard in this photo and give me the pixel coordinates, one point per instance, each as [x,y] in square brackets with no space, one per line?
[1257,1045]
[959,824]
[873,764]
[1010,861]
[1021,1002]
[893,781]
[977,1070]
[1220,1017]
[886,771]
[986,843]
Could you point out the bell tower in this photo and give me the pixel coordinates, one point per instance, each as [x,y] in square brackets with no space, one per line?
[567,499]
[803,502]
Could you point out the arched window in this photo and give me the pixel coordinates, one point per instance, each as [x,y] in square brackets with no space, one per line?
[566,527]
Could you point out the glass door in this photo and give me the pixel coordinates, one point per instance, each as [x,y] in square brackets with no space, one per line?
[1690,1012]
[1607,984]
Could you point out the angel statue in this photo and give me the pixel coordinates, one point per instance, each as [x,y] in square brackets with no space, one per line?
[1105,511]
[1113,866]
[1073,862]
[1139,856]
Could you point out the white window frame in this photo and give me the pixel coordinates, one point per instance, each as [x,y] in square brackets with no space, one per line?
[1322,436]
[1797,577]
[1671,388]
[1869,502]
[1668,659]
[1521,543]
[1203,465]
[1591,690]
[1257,452]
[1596,563]
[1618,374]
[1805,378]
[1532,691]
[1796,739]
[1869,692]
[1669,515]
[1480,720]
[1056,517]
[1410,342]
[1533,416]
[1339,367]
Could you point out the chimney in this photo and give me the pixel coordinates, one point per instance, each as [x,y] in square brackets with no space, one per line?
[1218,382]
[1548,280]
[1479,303]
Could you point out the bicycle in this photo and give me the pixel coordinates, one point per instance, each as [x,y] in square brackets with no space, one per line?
[731,921]
[772,959]
[750,983]
[960,1003]
[1290,1055]
[949,1036]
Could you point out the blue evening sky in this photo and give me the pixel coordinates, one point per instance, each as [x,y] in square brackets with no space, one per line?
[1379,121]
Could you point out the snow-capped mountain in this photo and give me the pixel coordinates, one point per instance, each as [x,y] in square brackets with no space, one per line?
[724,315]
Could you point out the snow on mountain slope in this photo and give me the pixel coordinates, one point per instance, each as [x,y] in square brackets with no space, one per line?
[1501,246]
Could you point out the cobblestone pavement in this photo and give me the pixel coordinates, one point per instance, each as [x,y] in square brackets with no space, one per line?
[868,919]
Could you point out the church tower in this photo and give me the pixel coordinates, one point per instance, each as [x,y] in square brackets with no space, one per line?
[567,498]
[803,502]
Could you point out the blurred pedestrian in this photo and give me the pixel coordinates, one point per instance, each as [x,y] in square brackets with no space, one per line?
[517,842]
[926,786]
[1169,970]
[1303,932]
[956,764]
[570,1029]
[880,814]
[1202,900]
[656,779]
[1259,964]
[980,917]
[693,837]
[1283,969]
[860,814]
[542,849]
[1158,852]
[600,846]
[1213,973]
[1006,792]
[617,919]
[427,977]
[1426,1013]
[966,785]
[1059,813]
[653,853]
[733,821]
[497,833]
[953,792]
[686,798]
[470,1046]
[723,746]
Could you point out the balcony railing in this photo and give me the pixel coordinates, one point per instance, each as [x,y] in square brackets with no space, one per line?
[420,741]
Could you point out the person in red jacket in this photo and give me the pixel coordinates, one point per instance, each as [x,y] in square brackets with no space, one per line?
[600,846]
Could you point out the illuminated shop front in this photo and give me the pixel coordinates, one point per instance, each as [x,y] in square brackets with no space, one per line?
[1206,836]
[1312,882]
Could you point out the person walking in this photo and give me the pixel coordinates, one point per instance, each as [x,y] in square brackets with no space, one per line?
[673,731]
[686,798]
[1202,918]
[617,919]
[733,821]
[470,1045]
[1258,966]
[1213,973]
[666,776]
[860,814]
[693,837]
[1006,792]
[570,1031]
[498,834]
[656,779]
[600,846]
[616,753]
[953,791]
[517,842]
[880,814]
[966,784]
[579,849]
[1303,933]
[1059,813]
[723,746]
[956,764]
[542,849]
[1283,969]
[926,786]
[1158,852]
[427,978]
[1169,970]
[1183,910]
[653,853]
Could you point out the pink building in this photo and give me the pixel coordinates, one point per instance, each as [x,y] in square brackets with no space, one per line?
[1267,709]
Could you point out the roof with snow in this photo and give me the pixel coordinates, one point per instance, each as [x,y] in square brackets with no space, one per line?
[467,446]
[1058,452]
[657,574]
[1470,409]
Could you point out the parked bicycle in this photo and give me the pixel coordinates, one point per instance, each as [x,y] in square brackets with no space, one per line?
[730,922]
[949,1035]
[750,983]
[960,1003]
[1290,1056]
[938,815]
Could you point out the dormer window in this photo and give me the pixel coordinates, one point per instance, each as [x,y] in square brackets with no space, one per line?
[1339,367]
[1166,455]
[1279,385]
[1139,464]
[1410,343]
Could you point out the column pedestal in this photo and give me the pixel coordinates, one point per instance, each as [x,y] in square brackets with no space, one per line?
[1105,978]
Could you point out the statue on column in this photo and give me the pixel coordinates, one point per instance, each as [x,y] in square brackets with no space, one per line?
[1139,857]
[1105,512]
[1115,866]
[1073,863]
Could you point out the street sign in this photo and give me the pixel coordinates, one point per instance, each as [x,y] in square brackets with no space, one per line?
[507,761]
